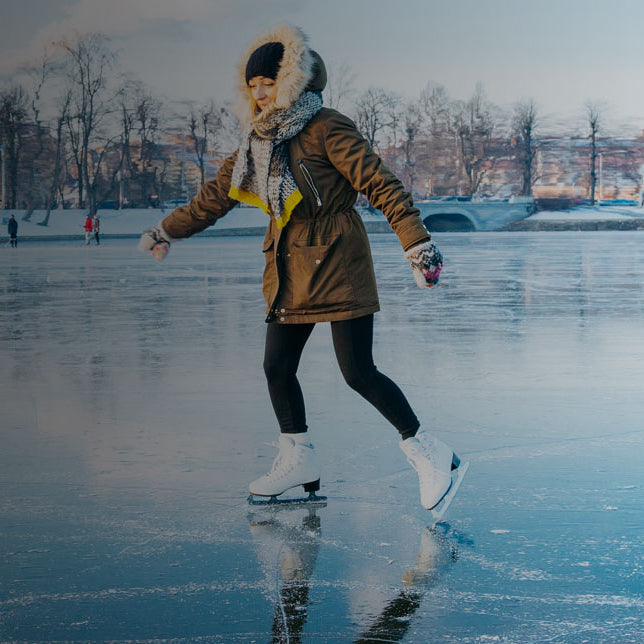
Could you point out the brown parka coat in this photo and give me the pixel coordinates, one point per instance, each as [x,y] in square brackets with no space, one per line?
[318,267]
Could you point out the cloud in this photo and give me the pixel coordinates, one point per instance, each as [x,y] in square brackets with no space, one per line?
[116,18]
[222,23]
[123,17]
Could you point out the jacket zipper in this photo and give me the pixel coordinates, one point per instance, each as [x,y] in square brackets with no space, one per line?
[309,180]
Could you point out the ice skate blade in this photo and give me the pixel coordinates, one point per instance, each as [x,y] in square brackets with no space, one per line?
[312,500]
[439,510]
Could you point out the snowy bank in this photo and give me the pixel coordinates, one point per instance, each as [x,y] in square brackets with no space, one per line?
[68,224]
[130,223]
[584,218]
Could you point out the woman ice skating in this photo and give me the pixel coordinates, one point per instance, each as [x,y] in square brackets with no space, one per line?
[303,165]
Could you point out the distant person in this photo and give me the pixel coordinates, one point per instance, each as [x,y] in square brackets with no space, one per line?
[12,229]
[304,166]
[96,227]
[89,226]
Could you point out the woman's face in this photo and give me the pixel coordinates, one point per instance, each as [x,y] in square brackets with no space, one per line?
[263,90]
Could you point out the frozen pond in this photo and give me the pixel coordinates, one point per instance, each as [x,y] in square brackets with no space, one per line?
[134,413]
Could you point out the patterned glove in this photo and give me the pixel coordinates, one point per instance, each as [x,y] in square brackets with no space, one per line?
[426,262]
[156,240]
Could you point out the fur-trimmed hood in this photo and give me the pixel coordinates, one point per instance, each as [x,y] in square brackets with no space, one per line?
[301,69]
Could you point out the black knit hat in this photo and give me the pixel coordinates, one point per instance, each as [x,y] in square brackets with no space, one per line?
[265,61]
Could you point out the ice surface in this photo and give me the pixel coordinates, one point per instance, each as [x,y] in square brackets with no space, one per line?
[134,414]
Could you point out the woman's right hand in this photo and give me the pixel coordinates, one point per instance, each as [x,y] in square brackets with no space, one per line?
[157,241]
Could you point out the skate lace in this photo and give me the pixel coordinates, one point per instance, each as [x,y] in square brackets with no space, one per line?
[424,473]
[284,462]
[421,456]
[423,463]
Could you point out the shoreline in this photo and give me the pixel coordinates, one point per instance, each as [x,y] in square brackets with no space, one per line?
[562,225]
[371,227]
[242,222]
[224,232]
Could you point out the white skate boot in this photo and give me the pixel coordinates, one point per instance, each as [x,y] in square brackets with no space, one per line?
[440,471]
[295,464]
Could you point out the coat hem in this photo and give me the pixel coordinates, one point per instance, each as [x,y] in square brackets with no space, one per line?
[336,316]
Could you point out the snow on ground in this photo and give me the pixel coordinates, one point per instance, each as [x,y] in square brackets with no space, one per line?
[130,223]
[590,213]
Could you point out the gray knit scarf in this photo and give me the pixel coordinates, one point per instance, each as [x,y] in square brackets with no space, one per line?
[262,176]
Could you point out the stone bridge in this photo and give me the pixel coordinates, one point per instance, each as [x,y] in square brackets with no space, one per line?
[452,214]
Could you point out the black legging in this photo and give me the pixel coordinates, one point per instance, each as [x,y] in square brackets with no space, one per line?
[352,341]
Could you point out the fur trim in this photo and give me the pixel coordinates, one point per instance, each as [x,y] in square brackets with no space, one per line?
[292,78]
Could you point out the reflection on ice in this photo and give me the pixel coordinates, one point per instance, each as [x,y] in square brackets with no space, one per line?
[287,553]
[435,554]
[286,543]
[134,413]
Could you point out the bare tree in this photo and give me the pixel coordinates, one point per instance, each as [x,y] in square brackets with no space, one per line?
[140,116]
[13,125]
[35,180]
[55,179]
[340,85]
[148,126]
[412,126]
[594,119]
[439,153]
[435,104]
[524,123]
[373,113]
[126,114]
[89,60]
[394,112]
[473,125]
[203,122]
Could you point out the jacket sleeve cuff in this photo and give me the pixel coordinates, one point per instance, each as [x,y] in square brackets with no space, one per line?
[413,235]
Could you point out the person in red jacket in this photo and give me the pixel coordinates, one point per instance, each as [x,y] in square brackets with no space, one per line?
[88,229]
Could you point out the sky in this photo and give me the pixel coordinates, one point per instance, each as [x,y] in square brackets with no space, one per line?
[562,53]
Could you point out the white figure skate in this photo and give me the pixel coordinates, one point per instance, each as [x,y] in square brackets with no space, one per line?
[440,471]
[295,464]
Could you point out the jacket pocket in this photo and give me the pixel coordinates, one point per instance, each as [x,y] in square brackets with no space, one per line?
[319,276]
[309,180]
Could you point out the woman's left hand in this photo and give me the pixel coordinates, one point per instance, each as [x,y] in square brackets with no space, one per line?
[426,262]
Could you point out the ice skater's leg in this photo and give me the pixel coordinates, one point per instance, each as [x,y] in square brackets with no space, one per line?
[284,346]
[353,341]
[296,463]
[432,459]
